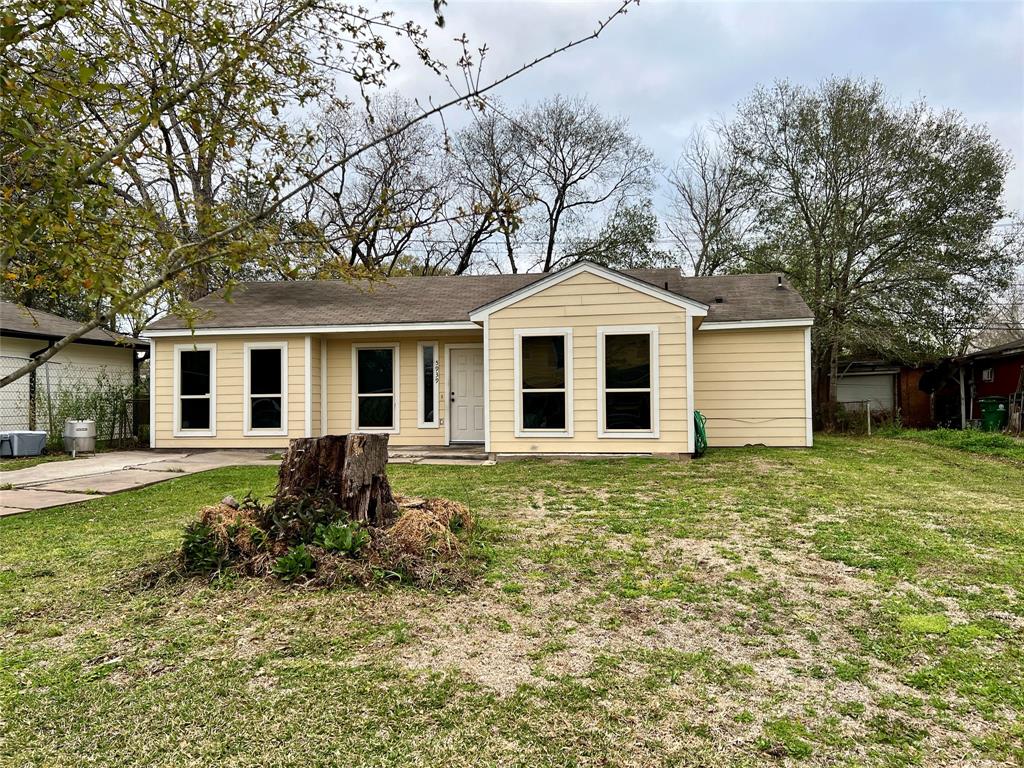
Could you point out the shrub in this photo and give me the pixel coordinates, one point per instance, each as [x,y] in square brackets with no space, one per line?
[293,519]
[346,538]
[201,549]
[294,564]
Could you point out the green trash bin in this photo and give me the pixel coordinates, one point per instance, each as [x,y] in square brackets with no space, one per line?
[994,413]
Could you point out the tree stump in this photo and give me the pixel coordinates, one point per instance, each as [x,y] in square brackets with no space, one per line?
[350,470]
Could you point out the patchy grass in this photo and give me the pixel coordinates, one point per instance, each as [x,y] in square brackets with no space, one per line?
[970,440]
[31,461]
[855,604]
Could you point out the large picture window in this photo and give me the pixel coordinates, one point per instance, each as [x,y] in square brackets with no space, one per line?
[266,389]
[427,379]
[375,388]
[194,384]
[627,373]
[544,381]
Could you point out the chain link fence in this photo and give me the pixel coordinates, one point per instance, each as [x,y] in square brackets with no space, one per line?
[59,391]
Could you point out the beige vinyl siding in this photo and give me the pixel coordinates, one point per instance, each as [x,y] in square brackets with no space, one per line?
[339,382]
[751,385]
[230,392]
[314,369]
[585,303]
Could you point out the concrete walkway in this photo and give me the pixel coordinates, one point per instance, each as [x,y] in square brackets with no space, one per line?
[67,482]
[56,483]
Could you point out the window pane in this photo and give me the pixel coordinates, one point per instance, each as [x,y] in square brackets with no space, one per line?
[265,371]
[375,412]
[375,371]
[543,410]
[627,361]
[543,360]
[428,384]
[628,410]
[195,372]
[266,413]
[195,413]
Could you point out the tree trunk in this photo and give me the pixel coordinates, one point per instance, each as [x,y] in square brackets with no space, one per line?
[350,470]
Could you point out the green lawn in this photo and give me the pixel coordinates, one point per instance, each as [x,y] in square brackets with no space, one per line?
[855,604]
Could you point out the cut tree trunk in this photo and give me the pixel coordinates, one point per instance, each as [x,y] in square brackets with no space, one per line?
[350,470]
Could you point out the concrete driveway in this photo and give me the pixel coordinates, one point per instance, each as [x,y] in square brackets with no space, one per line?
[67,482]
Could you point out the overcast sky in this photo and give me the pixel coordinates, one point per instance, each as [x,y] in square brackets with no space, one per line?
[669,66]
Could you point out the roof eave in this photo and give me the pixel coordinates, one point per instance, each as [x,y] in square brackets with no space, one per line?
[446,325]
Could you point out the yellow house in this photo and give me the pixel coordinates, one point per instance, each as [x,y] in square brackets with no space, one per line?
[586,360]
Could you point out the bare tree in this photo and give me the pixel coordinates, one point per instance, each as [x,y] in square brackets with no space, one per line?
[495,186]
[580,160]
[709,208]
[372,209]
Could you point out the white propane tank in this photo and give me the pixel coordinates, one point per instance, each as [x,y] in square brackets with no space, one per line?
[79,435]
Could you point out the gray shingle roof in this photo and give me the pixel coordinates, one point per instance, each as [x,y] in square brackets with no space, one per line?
[445,299]
[16,320]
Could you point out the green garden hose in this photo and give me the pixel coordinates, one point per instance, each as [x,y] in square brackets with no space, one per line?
[700,445]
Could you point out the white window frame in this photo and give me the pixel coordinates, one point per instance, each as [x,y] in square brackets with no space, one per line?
[396,368]
[248,430]
[651,331]
[420,401]
[519,335]
[212,396]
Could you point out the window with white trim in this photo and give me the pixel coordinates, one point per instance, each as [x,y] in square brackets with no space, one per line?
[266,388]
[194,374]
[427,379]
[544,382]
[375,388]
[627,371]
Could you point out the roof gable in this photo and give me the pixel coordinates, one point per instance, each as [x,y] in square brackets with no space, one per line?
[695,308]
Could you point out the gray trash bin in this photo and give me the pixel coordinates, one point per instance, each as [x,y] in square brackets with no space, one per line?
[22,442]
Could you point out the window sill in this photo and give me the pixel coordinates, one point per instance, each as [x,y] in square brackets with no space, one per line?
[628,435]
[265,433]
[195,433]
[542,433]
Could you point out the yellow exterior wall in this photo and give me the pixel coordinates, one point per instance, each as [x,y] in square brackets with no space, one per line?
[230,393]
[339,382]
[314,370]
[584,303]
[751,385]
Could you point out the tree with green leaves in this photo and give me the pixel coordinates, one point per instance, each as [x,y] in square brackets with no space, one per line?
[881,214]
[626,241]
[148,147]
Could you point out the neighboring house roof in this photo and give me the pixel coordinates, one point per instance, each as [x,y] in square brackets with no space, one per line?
[444,299]
[28,323]
[999,350]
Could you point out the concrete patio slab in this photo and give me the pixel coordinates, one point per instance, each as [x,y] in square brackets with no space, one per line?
[32,498]
[109,482]
[94,464]
[4,511]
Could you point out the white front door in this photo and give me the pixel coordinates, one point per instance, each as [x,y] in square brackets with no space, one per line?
[466,395]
